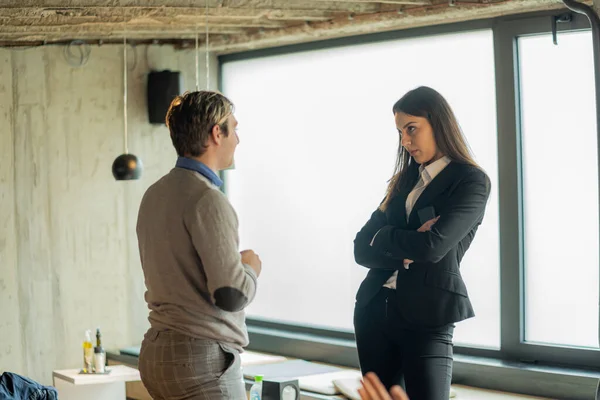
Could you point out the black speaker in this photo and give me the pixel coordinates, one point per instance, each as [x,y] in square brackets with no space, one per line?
[280,389]
[163,87]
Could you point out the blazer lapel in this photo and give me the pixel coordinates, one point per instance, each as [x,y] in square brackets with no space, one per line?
[435,187]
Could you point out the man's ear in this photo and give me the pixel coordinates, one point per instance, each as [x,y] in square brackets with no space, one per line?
[216,135]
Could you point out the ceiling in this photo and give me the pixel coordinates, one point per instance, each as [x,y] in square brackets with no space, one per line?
[235,25]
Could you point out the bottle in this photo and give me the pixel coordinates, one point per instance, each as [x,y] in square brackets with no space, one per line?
[99,360]
[88,352]
[256,389]
[98,336]
[99,355]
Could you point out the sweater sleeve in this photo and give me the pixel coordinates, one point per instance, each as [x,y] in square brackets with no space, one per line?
[213,227]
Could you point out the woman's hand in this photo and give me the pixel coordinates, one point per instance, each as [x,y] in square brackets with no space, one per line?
[373,389]
[427,225]
[424,228]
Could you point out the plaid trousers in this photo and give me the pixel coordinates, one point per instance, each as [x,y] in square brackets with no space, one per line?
[174,366]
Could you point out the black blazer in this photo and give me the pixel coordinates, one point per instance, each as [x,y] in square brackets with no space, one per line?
[431,292]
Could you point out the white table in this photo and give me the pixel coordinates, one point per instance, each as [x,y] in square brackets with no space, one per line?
[71,385]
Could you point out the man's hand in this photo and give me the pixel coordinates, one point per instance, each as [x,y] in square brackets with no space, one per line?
[251,258]
[424,228]
[373,389]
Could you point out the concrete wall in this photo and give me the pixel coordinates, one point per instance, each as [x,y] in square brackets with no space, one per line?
[68,250]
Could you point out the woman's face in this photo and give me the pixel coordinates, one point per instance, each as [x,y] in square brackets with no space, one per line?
[416,136]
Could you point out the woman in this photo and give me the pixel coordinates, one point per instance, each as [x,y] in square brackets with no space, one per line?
[413,244]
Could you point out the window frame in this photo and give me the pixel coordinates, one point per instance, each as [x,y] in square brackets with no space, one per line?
[559,371]
[512,264]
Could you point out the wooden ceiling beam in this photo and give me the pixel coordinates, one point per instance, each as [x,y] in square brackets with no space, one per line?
[167,12]
[360,6]
[239,25]
[49,38]
[115,22]
[438,14]
[148,31]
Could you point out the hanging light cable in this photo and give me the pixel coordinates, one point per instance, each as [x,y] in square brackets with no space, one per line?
[127,166]
[206,48]
[126,144]
[197,74]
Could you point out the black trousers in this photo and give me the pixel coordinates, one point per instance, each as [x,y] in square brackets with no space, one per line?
[418,359]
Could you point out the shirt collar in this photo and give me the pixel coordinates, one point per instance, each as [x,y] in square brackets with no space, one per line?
[432,170]
[201,168]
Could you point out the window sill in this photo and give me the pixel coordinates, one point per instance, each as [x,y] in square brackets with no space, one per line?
[530,379]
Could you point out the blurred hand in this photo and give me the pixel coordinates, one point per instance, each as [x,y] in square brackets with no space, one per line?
[251,258]
[373,389]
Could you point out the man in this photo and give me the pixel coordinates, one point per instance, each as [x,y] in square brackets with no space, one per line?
[198,283]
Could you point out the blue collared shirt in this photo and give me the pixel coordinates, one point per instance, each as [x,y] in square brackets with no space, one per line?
[201,168]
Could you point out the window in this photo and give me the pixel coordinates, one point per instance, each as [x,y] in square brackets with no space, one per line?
[318,144]
[559,150]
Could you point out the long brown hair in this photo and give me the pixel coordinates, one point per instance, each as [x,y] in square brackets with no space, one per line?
[427,103]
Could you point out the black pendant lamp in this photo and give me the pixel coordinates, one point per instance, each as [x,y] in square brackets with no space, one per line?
[127,166]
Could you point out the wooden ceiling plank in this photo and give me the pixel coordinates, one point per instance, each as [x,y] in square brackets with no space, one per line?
[285,5]
[132,12]
[381,22]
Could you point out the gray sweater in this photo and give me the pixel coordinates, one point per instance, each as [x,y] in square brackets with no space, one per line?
[189,247]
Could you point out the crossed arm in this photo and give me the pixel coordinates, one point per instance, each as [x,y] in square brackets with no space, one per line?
[364,253]
[391,245]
